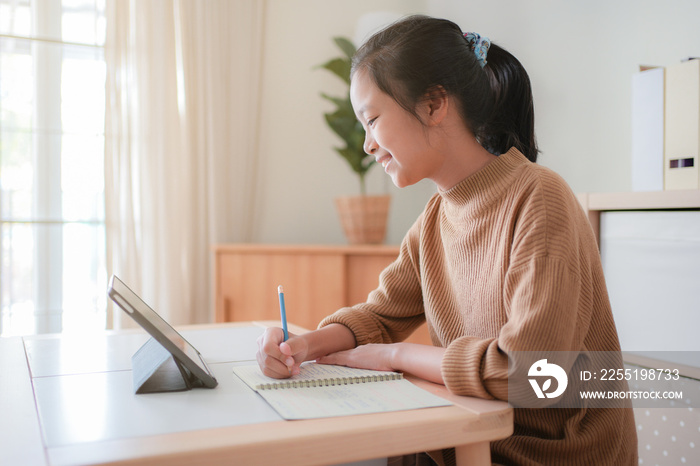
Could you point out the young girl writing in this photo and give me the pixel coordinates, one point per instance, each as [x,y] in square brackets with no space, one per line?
[501,260]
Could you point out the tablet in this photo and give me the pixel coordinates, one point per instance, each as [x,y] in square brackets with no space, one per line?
[161,331]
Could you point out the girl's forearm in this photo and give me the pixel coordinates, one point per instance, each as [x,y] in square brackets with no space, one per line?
[423,361]
[329,339]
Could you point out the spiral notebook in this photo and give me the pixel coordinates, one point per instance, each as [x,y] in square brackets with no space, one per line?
[321,390]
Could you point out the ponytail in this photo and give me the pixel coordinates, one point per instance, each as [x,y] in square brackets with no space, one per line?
[512,120]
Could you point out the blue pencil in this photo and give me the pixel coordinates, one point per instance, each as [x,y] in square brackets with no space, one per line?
[283,312]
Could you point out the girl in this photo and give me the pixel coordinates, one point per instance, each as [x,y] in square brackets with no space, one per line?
[501,260]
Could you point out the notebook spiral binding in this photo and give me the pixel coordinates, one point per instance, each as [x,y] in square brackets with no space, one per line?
[329,382]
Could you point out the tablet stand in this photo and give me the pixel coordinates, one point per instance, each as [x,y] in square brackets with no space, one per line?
[155,370]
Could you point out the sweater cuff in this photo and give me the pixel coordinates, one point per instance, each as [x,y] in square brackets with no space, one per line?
[462,367]
[360,324]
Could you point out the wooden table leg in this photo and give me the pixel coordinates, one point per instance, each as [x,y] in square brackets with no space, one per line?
[473,454]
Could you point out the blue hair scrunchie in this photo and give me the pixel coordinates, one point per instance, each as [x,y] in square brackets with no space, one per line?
[479,45]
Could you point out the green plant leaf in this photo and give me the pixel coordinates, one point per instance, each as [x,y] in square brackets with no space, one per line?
[346,46]
[340,102]
[353,158]
[342,124]
[342,120]
[339,67]
[356,140]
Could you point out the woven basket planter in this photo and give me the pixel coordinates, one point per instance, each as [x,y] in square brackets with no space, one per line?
[364,218]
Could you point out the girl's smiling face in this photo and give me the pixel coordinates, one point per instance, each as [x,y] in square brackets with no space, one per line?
[395,137]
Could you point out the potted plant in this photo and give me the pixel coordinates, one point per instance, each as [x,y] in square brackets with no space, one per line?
[363,217]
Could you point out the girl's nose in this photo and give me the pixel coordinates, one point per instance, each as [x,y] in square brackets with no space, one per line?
[371,145]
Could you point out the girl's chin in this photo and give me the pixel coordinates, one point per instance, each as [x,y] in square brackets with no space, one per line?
[397,176]
[400,182]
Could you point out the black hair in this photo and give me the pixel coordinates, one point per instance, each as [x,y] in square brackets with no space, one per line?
[419,54]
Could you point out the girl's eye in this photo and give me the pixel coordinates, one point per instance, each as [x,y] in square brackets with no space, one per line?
[371,122]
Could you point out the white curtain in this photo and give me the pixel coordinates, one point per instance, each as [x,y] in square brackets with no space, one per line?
[181,149]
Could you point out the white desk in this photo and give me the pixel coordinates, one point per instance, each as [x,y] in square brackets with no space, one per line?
[69,400]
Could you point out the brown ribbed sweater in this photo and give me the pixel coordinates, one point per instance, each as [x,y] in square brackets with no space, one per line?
[505,261]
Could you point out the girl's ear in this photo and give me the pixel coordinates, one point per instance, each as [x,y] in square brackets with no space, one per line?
[435,103]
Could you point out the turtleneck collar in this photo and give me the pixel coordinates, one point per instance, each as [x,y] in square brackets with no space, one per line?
[486,185]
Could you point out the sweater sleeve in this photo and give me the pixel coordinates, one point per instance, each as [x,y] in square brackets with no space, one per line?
[550,291]
[546,313]
[395,309]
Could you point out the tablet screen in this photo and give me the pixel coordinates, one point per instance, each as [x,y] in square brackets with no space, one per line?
[158,328]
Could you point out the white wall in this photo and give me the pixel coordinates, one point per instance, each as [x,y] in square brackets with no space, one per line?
[301,173]
[580,57]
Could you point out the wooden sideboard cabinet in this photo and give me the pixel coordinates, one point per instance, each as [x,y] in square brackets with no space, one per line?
[317,280]
[596,203]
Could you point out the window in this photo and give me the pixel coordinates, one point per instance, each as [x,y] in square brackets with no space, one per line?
[52,229]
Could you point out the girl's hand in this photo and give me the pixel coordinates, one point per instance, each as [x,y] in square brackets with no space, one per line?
[377,357]
[278,358]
